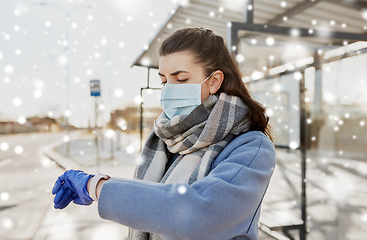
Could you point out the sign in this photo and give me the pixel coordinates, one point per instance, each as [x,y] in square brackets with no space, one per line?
[95,88]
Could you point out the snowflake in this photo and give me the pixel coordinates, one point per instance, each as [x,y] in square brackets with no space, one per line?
[7,223]
[293,145]
[9,69]
[130,149]
[17,101]
[4,196]
[4,146]
[118,92]
[182,189]
[67,113]
[18,150]
[22,120]
[66,138]
[37,93]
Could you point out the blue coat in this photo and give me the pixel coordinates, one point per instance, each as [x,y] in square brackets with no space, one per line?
[223,205]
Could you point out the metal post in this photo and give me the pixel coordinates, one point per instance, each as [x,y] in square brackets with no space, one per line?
[95,133]
[114,129]
[303,147]
[67,75]
[232,31]
[232,38]
[141,119]
[118,139]
[141,111]
[248,11]
[112,147]
[66,52]
[148,78]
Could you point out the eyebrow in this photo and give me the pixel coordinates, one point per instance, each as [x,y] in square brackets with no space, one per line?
[174,73]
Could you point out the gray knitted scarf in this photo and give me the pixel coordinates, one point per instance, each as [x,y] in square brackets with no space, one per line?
[198,138]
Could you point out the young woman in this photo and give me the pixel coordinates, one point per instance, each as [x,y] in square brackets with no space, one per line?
[206,164]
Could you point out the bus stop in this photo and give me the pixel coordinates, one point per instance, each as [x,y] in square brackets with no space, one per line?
[287,52]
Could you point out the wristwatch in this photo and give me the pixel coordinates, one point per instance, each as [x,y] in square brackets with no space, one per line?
[93,184]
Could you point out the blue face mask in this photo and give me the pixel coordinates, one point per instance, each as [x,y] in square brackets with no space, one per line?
[180,99]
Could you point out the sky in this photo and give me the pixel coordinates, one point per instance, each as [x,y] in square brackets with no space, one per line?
[103,43]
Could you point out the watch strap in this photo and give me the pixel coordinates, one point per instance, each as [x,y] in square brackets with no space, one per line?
[93,185]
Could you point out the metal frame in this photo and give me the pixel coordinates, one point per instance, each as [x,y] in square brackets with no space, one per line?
[248,11]
[297,9]
[141,107]
[353,4]
[232,43]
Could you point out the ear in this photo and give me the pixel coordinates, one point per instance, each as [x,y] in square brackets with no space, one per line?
[216,82]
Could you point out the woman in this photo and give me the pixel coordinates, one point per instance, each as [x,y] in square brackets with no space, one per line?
[206,164]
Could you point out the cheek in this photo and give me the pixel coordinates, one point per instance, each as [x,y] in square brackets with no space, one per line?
[204,92]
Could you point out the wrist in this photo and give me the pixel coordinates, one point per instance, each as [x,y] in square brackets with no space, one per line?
[99,186]
[95,184]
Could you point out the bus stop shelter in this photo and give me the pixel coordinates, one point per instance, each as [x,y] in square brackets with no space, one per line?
[259,33]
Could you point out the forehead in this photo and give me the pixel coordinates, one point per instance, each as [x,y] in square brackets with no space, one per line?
[178,61]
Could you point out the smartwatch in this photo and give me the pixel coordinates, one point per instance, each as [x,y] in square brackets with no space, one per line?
[93,184]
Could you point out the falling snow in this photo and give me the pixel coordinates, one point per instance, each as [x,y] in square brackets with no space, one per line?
[181,189]
[18,149]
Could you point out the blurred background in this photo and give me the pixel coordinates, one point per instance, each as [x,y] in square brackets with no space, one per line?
[79,89]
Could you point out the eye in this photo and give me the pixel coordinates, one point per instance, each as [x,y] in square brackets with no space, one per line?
[182,80]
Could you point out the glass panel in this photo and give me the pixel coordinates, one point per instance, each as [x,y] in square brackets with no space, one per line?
[281,97]
[336,132]
[339,126]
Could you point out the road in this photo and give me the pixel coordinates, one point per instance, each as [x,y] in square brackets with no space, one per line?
[26,209]
[26,179]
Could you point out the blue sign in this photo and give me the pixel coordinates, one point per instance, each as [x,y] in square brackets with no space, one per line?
[95,88]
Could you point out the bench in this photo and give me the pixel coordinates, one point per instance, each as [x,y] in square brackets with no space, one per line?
[272,221]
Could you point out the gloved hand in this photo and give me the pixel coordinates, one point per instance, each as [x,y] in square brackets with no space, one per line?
[72,186]
[64,195]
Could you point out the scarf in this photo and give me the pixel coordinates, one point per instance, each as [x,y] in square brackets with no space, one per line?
[198,138]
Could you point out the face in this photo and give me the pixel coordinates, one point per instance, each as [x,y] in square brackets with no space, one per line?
[181,68]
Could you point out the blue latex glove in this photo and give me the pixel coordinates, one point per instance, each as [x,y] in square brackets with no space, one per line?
[64,195]
[71,186]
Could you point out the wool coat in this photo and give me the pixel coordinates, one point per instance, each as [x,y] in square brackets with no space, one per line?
[223,205]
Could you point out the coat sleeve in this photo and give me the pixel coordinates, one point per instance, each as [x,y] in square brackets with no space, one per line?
[222,205]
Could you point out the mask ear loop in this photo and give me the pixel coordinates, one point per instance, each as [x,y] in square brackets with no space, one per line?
[207,78]
[210,95]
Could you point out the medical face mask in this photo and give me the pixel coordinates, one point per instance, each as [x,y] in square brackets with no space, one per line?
[181,99]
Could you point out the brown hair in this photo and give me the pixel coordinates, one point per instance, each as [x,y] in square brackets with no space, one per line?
[211,52]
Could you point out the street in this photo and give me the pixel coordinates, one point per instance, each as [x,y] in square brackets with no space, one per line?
[26,202]
[336,192]
[26,181]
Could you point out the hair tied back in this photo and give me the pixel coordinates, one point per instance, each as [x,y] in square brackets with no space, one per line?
[207,30]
